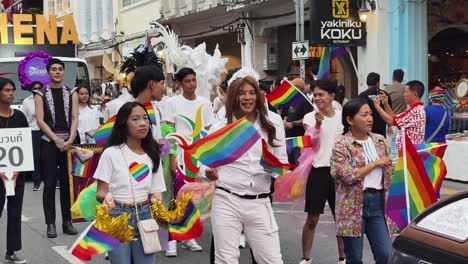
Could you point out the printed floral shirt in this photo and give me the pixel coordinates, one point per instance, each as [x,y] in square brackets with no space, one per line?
[413,121]
[347,157]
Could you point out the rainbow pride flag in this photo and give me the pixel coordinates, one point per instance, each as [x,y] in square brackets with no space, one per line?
[436,169]
[437,149]
[82,169]
[298,142]
[328,54]
[285,95]
[93,242]
[105,131]
[421,193]
[189,227]
[271,163]
[225,145]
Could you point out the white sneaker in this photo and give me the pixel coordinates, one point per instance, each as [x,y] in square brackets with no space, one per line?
[242,241]
[342,261]
[303,261]
[171,250]
[191,245]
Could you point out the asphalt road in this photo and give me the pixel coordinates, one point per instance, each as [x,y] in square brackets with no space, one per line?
[38,249]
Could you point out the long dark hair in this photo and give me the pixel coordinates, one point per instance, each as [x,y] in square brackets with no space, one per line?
[82,86]
[350,109]
[233,105]
[120,134]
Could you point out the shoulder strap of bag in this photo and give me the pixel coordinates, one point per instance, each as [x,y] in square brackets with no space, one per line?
[429,139]
[131,184]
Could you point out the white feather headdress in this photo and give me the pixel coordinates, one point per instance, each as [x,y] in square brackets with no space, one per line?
[208,67]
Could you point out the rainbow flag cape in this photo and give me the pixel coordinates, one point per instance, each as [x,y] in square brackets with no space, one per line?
[271,163]
[298,142]
[189,227]
[285,95]
[420,190]
[105,131]
[328,54]
[93,242]
[151,113]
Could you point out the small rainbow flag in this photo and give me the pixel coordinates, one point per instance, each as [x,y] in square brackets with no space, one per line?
[420,188]
[82,170]
[105,131]
[298,142]
[285,95]
[271,163]
[94,242]
[225,145]
[437,149]
[189,227]
[328,54]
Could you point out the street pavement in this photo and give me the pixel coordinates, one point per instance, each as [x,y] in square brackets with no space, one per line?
[38,249]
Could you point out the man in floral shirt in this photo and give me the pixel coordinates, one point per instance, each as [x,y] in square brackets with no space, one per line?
[412,120]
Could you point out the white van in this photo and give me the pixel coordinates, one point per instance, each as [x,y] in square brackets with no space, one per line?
[76,72]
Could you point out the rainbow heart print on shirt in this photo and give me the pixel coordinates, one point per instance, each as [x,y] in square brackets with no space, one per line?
[139,171]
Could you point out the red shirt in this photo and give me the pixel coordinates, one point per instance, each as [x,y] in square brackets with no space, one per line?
[413,121]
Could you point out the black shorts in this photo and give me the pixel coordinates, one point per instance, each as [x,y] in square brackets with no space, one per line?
[319,189]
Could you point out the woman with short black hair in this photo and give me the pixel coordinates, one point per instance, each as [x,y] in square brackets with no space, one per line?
[363,171]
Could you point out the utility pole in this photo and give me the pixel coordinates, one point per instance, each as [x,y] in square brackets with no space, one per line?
[300,31]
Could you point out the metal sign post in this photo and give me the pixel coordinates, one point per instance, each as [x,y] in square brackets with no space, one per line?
[300,48]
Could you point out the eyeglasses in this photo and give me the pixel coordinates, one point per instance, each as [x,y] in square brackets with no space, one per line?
[37,88]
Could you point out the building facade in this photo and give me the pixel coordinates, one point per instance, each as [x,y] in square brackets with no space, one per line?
[398,36]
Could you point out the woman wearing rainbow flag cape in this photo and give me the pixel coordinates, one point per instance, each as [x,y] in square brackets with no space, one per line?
[363,170]
[129,176]
[241,201]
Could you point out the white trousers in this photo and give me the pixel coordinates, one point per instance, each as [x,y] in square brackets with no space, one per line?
[230,215]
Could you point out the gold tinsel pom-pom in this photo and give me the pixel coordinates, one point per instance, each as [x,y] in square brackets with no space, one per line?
[164,215]
[116,227]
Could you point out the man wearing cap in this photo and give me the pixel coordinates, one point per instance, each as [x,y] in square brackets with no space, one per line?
[292,119]
[437,117]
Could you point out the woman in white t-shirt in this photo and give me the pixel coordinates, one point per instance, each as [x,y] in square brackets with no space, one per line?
[88,116]
[129,176]
[363,170]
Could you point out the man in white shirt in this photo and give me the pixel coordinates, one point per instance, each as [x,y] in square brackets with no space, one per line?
[29,111]
[325,127]
[186,105]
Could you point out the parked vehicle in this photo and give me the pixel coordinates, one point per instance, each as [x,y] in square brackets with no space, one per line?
[438,235]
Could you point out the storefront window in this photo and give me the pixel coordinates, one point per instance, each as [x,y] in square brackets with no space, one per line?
[51,7]
[66,5]
[130,2]
[59,6]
